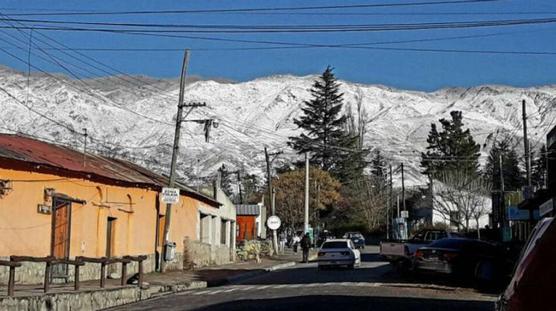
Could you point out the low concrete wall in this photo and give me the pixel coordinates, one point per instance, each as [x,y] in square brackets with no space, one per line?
[33,272]
[203,254]
[91,299]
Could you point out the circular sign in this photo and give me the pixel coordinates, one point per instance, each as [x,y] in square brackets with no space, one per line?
[273,222]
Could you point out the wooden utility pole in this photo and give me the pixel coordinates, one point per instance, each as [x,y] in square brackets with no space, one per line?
[306,218]
[175,150]
[526,145]
[502,216]
[403,189]
[239,186]
[84,146]
[390,203]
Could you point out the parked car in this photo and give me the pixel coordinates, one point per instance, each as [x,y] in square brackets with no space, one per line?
[338,252]
[466,259]
[532,284]
[401,252]
[357,238]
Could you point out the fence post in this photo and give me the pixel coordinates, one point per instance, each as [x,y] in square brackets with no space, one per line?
[11,282]
[124,272]
[140,273]
[102,274]
[47,276]
[76,278]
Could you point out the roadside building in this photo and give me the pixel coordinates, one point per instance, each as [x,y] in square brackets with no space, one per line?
[58,201]
[216,239]
[249,221]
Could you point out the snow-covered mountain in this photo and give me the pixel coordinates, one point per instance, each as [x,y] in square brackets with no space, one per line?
[133,117]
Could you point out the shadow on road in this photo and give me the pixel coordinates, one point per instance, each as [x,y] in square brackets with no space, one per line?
[307,275]
[318,302]
[366,257]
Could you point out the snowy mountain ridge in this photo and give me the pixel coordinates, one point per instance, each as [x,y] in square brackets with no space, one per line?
[133,117]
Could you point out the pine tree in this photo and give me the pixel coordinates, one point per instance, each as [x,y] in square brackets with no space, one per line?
[324,135]
[451,148]
[512,173]
[539,169]
[378,166]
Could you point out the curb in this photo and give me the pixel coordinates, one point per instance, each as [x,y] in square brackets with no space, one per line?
[248,275]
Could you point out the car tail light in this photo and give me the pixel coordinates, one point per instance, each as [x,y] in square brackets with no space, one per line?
[449,256]
[419,254]
[320,254]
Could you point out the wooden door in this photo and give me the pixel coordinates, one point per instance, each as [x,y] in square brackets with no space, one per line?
[110,236]
[60,236]
[61,224]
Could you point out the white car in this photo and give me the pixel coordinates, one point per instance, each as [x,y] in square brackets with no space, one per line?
[338,252]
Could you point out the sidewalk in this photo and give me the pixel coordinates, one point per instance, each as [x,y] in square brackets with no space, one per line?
[92,297]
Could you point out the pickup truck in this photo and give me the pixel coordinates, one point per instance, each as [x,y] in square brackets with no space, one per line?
[400,252]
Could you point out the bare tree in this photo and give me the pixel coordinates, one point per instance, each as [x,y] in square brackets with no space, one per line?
[461,197]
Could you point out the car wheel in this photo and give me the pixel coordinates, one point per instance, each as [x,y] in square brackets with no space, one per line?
[485,274]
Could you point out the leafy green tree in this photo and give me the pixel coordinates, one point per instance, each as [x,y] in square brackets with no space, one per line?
[290,195]
[539,169]
[451,148]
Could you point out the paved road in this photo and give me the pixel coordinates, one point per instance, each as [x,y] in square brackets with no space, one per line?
[373,286]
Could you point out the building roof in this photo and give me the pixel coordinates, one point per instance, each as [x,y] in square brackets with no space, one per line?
[21,152]
[248,209]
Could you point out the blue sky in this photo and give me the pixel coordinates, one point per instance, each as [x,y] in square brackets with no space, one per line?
[401,69]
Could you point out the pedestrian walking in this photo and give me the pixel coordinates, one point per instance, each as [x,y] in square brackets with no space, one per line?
[305,245]
[295,242]
[283,241]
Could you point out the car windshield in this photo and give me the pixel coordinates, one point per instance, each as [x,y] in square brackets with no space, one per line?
[335,244]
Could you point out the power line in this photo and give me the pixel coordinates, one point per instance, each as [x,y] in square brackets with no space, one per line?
[268,9]
[254,29]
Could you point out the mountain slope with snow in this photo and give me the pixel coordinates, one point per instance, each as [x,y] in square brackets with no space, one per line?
[133,118]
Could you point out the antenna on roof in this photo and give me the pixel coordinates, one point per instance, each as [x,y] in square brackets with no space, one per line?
[84,146]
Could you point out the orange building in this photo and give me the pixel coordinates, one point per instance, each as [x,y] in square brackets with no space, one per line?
[60,202]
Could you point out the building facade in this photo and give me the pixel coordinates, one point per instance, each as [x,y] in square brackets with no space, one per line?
[55,201]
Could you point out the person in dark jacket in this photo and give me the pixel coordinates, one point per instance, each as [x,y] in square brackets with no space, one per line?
[305,245]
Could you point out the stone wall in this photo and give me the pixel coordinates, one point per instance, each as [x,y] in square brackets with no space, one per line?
[203,254]
[33,272]
[94,299]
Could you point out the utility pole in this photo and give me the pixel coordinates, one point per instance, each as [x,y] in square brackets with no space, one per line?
[239,186]
[271,192]
[84,146]
[274,233]
[527,157]
[502,215]
[390,203]
[175,151]
[526,145]
[306,219]
[403,189]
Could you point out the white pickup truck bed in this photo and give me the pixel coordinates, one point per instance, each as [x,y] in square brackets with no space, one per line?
[404,250]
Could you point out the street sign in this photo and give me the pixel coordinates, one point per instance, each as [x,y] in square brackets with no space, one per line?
[170,195]
[404,214]
[273,222]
